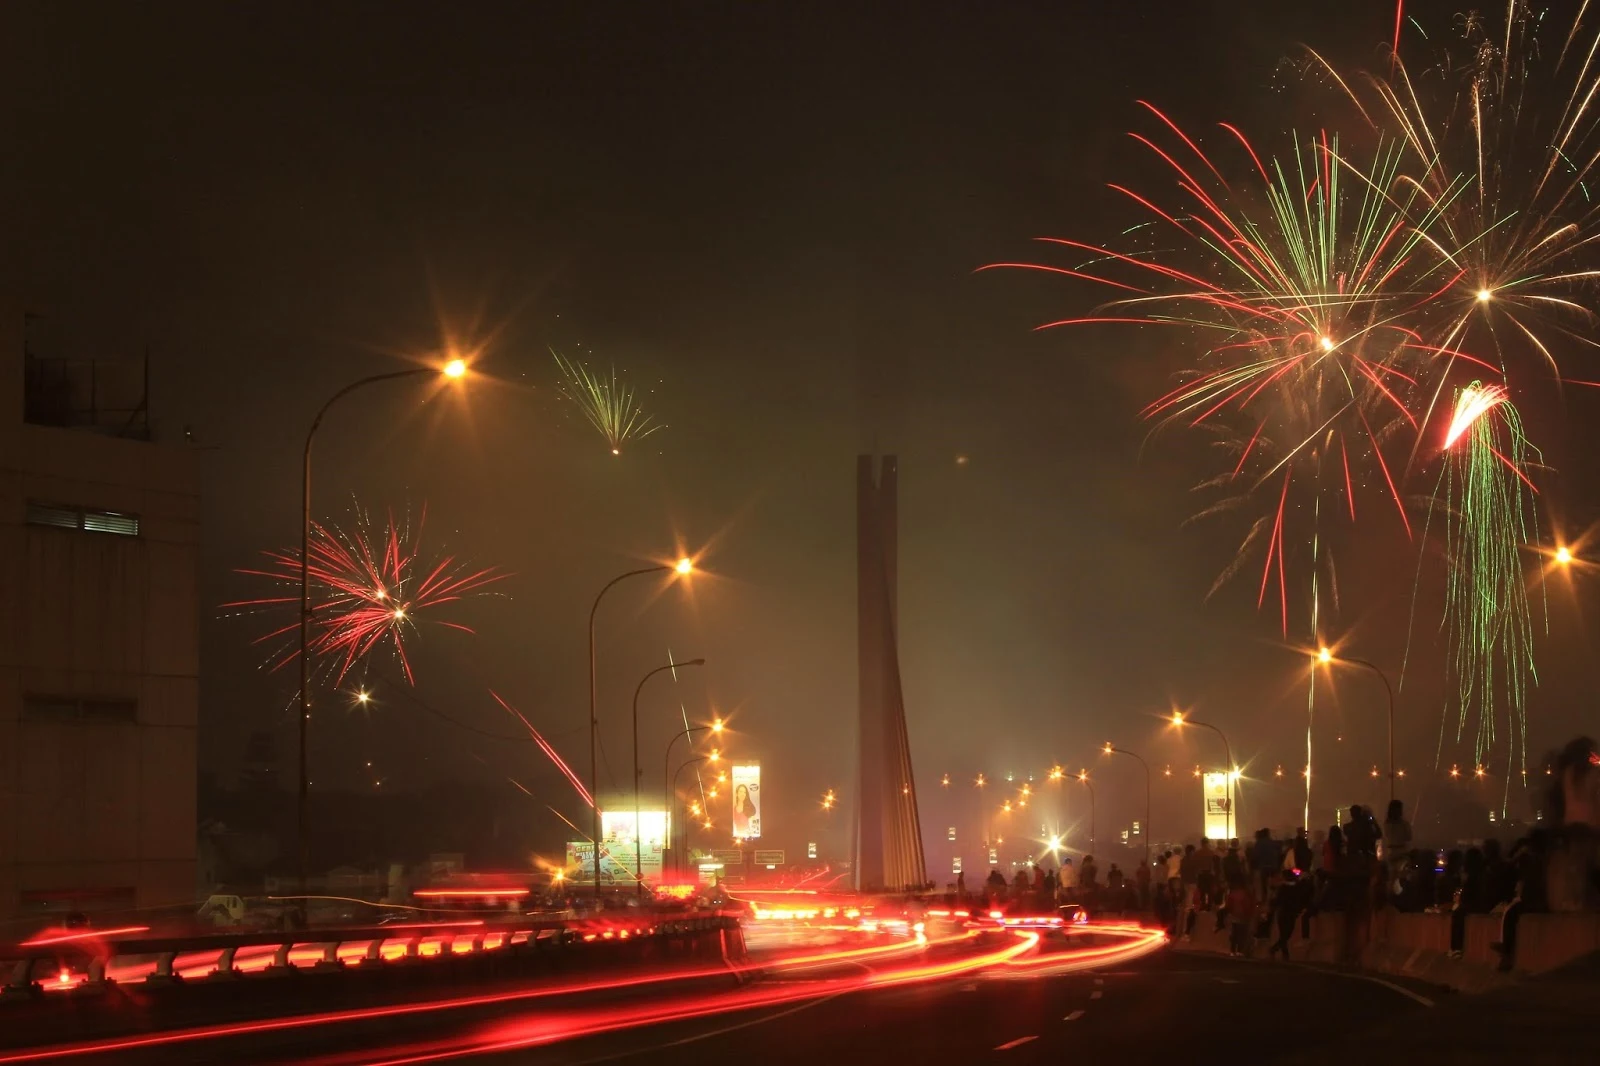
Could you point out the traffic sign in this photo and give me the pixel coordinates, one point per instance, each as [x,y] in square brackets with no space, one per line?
[769,858]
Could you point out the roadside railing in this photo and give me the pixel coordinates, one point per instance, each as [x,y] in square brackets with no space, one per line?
[90,961]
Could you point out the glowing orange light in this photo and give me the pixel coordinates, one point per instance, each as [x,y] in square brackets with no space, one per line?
[716,725]
[1564,555]
[1455,771]
[980,782]
[1479,772]
[1325,655]
[471,893]
[684,565]
[1327,344]
[944,781]
[1374,771]
[1177,717]
[1108,748]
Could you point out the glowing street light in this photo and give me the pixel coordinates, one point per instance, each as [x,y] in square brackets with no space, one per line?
[1564,556]
[669,784]
[1083,779]
[638,774]
[1227,750]
[684,565]
[454,369]
[1325,657]
[1485,295]
[1144,831]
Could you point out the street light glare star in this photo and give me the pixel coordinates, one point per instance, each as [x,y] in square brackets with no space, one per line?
[455,368]
[1564,555]
[1484,295]
[684,565]
[1324,655]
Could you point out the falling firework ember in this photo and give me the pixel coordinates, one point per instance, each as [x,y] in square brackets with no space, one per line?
[371,587]
[1302,295]
[609,403]
[550,752]
[1487,505]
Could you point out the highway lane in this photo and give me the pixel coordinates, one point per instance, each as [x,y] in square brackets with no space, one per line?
[1190,1008]
[965,996]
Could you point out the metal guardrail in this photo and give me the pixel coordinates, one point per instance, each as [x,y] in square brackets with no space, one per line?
[87,961]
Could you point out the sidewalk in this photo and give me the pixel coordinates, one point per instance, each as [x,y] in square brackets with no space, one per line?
[1550,1019]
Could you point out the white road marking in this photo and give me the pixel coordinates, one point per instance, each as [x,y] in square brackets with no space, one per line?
[1018,1042]
[1099,980]
[1074,1016]
[1096,994]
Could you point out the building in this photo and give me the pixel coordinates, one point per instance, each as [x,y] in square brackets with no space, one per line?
[99,643]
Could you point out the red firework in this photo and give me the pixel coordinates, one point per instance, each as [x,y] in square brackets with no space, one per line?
[369,587]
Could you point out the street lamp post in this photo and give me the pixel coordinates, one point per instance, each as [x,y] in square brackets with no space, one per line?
[683,566]
[454,369]
[667,783]
[677,774]
[1227,751]
[1112,749]
[1083,779]
[638,774]
[1325,656]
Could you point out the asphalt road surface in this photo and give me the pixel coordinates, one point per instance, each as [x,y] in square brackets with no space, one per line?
[1191,1008]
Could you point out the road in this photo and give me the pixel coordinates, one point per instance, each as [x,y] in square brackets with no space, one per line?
[996,996]
[1189,1008]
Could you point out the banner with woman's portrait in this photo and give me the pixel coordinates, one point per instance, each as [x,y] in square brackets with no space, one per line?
[746,784]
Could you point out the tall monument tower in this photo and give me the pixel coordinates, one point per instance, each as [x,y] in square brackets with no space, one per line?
[888,832]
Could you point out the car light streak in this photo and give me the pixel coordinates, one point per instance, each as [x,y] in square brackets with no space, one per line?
[549,1030]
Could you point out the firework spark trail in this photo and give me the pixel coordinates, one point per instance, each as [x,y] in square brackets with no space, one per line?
[1511,112]
[1314,308]
[544,746]
[1489,516]
[370,587]
[610,404]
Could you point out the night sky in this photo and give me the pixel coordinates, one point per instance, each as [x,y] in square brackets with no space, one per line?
[771,218]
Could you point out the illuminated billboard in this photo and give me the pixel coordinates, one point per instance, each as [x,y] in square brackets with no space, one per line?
[619,826]
[616,863]
[745,781]
[1218,824]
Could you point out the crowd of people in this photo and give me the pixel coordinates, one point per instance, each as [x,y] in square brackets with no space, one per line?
[1262,892]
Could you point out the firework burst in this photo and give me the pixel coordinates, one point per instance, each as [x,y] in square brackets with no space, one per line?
[609,403]
[1301,306]
[1501,119]
[371,588]
[1486,501]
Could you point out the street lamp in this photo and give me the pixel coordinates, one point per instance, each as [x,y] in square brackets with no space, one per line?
[682,566]
[666,766]
[1325,657]
[1564,555]
[1083,779]
[1179,720]
[638,774]
[676,776]
[454,369]
[1112,749]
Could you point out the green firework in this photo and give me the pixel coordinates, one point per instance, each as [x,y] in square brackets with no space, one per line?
[610,404]
[1490,518]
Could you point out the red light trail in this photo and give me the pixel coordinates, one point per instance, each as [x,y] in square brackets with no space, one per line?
[547,1028]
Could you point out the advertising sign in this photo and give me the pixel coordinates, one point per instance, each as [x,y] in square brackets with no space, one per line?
[811,850]
[618,826]
[769,858]
[728,856]
[746,785]
[616,862]
[1218,824]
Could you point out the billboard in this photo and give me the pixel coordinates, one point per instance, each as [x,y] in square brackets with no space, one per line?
[616,862]
[745,781]
[618,826]
[1218,824]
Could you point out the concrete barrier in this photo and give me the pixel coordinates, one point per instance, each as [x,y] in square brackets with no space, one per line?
[1418,945]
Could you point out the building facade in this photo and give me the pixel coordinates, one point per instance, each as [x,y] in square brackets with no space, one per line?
[99,643]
